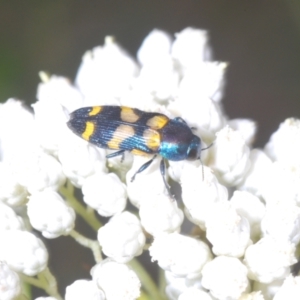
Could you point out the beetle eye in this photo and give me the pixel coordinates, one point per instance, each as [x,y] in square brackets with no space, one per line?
[192,153]
[194,150]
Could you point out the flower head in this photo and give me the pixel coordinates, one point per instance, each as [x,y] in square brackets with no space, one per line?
[239,217]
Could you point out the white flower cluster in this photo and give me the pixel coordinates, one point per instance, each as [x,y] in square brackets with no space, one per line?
[244,205]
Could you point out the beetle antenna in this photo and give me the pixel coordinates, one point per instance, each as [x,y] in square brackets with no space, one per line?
[202,169]
[201,160]
[207,147]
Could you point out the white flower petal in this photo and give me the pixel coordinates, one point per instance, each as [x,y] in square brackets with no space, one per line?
[168,217]
[168,250]
[105,73]
[49,213]
[84,289]
[122,237]
[228,232]
[10,285]
[23,252]
[231,156]
[290,289]
[105,193]
[269,259]
[284,144]
[225,277]
[117,280]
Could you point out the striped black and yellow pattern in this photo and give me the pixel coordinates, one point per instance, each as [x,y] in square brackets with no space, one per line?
[119,128]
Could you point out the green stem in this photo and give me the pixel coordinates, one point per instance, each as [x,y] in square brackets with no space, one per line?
[22,297]
[146,280]
[45,281]
[87,214]
[84,241]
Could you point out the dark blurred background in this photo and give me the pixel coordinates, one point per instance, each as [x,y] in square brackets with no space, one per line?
[260,39]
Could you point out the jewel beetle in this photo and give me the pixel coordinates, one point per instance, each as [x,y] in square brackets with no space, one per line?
[124,128]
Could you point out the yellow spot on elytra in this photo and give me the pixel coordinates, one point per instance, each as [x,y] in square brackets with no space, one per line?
[152,139]
[121,133]
[89,130]
[157,122]
[139,152]
[128,115]
[95,110]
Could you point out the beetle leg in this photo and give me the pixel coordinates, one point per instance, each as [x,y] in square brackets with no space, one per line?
[163,173]
[121,152]
[201,160]
[143,167]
